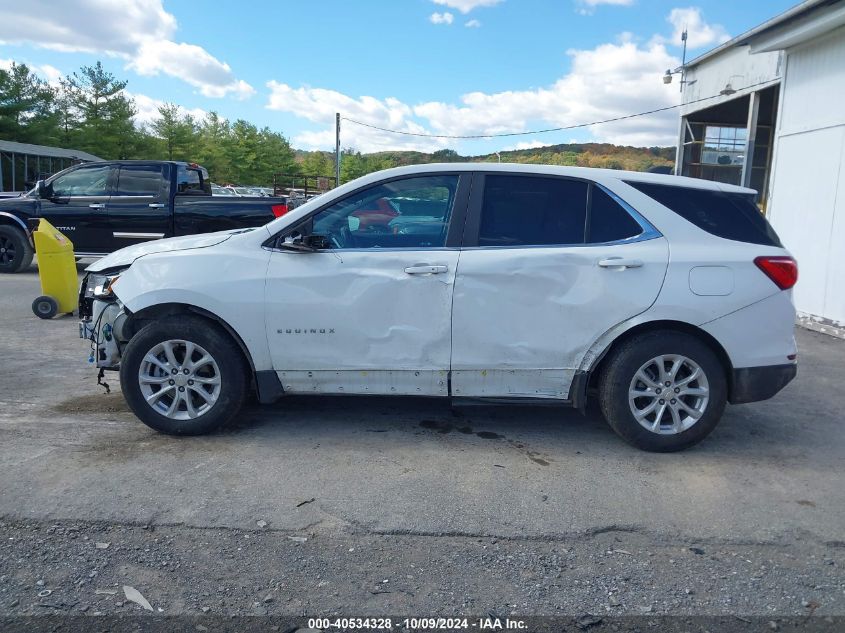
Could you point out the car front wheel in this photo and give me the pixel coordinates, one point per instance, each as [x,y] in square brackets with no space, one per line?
[183,376]
[15,250]
[663,391]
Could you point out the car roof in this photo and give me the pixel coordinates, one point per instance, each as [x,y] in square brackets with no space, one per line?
[555,170]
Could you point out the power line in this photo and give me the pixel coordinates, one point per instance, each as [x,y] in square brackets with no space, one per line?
[551,129]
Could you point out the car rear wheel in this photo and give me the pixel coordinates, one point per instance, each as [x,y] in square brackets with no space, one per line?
[183,376]
[663,391]
[15,250]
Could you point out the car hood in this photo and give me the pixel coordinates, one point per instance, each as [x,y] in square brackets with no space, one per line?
[125,256]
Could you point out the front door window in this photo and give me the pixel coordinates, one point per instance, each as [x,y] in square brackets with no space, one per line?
[85,181]
[408,213]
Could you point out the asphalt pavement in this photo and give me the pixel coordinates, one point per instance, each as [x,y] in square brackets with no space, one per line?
[520,509]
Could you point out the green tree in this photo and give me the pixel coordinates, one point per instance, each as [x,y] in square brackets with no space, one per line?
[178,132]
[105,112]
[317,164]
[214,148]
[274,156]
[354,165]
[67,116]
[26,107]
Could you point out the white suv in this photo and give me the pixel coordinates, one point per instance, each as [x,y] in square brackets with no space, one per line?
[665,296]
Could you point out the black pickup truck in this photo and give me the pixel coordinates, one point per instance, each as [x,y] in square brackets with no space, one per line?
[105,206]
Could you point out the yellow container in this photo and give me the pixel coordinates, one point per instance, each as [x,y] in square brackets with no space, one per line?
[56,270]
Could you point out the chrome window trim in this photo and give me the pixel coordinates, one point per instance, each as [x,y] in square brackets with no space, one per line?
[630,240]
[374,249]
[649,230]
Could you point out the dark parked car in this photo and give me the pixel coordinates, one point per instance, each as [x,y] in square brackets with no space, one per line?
[105,206]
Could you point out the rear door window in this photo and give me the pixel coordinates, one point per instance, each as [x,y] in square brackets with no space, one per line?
[732,216]
[609,221]
[532,211]
[140,180]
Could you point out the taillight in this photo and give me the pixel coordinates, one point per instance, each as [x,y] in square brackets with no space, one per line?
[279,209]
[781,270]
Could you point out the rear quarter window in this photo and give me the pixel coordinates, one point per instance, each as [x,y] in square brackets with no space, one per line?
[732,216]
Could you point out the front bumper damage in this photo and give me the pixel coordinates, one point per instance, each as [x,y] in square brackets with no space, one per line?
[104,325]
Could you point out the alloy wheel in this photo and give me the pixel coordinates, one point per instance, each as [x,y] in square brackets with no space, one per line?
[7,250]
[179,379]
[668,394]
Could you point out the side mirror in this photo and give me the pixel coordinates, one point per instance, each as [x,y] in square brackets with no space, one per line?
[296,242]
[305,243]
[43,189]
[318,242]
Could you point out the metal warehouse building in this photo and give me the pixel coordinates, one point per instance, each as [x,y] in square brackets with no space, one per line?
[22,163]
[777,125]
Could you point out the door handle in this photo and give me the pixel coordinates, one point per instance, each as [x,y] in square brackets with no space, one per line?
[98,205]
[426,269]
[620,262]
[156,205]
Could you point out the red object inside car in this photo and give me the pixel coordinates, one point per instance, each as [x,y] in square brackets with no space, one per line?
[380,214]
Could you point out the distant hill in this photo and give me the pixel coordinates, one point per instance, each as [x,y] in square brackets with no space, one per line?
[603,155]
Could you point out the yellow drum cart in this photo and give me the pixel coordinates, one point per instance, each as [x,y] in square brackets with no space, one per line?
[56,270]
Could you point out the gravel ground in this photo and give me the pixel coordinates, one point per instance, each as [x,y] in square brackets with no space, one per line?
[76,567]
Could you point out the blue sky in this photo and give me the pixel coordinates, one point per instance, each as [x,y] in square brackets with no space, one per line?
[429,66]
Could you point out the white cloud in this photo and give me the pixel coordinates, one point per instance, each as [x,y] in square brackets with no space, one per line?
[319,105]
[441,18]
[48,73]
[588,7]
[191,63]
[147,109]
[532,144]
[473,24]
[700,33]
[609,81]
[465,6]
[139,31]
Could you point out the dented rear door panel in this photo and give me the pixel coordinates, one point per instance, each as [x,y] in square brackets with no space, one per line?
[523,317]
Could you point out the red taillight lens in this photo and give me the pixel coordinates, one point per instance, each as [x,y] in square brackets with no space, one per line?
[781,270]
[279,209]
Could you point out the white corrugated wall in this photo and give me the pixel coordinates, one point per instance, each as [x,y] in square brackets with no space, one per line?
[807,197]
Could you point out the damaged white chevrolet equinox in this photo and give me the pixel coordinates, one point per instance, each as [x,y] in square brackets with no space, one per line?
[665,296]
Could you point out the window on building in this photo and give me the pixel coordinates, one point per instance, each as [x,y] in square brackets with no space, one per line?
[724,145]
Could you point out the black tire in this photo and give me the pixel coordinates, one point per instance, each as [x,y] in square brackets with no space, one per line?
[232,367]
[15,249]
[619,371]
[45,307]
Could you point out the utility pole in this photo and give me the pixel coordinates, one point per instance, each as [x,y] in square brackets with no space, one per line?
[337,150]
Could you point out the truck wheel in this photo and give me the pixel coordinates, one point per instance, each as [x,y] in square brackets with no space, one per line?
[663,391]
[182,375]
[15,250]
[45,307]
